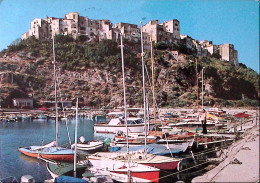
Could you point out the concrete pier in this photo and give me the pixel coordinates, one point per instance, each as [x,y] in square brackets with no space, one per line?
[240,162]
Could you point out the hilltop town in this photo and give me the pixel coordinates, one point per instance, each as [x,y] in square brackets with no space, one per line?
[168,32]
[89,62]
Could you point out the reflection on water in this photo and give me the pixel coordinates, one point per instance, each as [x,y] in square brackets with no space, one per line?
[27,133]
[29,159]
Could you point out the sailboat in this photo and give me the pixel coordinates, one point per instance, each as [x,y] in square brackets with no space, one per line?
[52,150]
[140,157]
[57,169]
[117,167]
[160,162]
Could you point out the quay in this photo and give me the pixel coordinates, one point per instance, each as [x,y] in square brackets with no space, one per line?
[230,152]
[239,162]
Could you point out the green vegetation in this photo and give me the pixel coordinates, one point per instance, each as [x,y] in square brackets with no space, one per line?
[175,83]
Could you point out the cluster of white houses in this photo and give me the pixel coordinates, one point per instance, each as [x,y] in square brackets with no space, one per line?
[169,32]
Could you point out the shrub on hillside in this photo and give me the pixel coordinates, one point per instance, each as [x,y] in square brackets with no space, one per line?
[161,46]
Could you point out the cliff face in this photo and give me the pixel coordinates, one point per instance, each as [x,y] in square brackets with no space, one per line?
[93,73]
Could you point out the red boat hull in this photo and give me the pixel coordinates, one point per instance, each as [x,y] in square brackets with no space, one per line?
[163,166]
[153,176]
[58,157]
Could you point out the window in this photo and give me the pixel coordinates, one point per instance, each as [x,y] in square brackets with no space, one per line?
[176,24]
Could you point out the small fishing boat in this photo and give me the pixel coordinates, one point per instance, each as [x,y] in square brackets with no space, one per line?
[59,169]
[52,150]
[88,146]
[156,149]
[122,166]
[12,118]
[49,151]
[42,117]
[152,160]
[180,141]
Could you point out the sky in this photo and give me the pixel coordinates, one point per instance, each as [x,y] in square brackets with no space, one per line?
[220,21]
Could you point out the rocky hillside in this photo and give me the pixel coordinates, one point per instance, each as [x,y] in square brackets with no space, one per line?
[92,72]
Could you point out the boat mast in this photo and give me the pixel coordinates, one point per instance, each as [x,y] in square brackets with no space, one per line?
[197,82]
[123,73]
[154,111]
[202,87]
[142,49]
[76,137]
[55,86]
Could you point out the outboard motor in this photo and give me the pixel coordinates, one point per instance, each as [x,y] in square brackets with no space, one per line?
[82,139]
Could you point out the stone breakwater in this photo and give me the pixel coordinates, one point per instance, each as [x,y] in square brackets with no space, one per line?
[239,162]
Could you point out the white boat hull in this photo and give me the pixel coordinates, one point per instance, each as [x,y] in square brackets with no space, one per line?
[183,146]
[115,167]
[105,128]
[90,146]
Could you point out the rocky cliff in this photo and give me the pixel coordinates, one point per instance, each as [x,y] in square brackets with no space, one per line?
[92,72]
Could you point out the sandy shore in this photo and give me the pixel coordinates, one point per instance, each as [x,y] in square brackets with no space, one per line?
[240,162]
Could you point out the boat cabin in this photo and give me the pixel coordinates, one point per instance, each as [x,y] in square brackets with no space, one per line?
[130,121]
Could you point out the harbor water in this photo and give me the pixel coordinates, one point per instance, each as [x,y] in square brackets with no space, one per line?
[40,132]
[36,132]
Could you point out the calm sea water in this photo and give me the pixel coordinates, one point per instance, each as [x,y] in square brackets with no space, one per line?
[36,132]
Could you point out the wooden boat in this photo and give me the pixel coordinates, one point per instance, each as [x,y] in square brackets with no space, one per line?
[191,125]
[88,146]
[59,169]
[121,166]
[178,141]
[52,150]
[48,151]
[156,149]
[160,162]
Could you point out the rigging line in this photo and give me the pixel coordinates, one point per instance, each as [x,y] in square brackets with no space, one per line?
[66,120]
[180,171]
[158,110]
[205,152]
[144,94]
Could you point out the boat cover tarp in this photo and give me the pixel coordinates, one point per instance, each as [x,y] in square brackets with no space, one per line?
[52,144]
[151,149]
[67,179]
